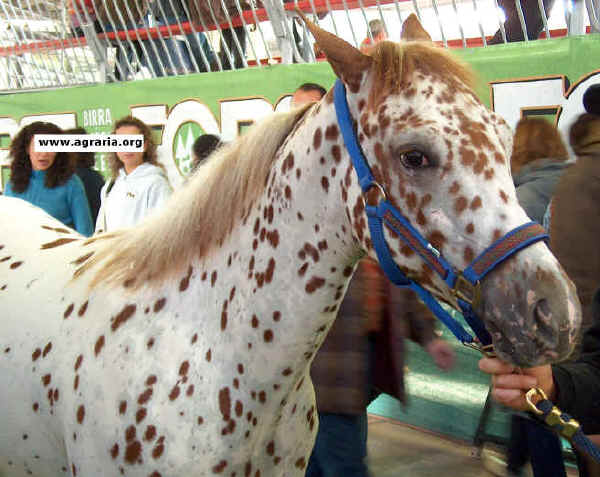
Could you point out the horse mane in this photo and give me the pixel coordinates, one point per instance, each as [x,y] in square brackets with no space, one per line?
[199,216]
[395,64]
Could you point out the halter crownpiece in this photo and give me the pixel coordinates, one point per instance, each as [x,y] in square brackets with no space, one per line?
[464,286]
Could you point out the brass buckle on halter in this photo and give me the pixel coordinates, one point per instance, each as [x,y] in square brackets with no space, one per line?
[486,350]
[554,418]
[466,291]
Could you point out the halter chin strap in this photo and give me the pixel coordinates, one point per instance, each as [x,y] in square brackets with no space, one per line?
[465,286]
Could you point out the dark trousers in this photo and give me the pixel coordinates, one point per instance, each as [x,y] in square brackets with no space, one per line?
[240,34]
[530,440]
[341,447]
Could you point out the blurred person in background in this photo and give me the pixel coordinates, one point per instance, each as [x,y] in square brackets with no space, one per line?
[46,179]
[362,356]
[539,158]
[307,93]
[92,180]
[377,29]
[203,147]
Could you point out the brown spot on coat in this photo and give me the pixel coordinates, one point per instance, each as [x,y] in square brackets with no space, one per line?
[476,203]
[78,362]
[80,414]
[268,336]
[460,204]
[123,316]
[140,415]
[58,243]
[133,452]
[47,349]
[15,265]
[68,311]
[83,309]
[220,467]
[99,344]
[150,433]
[225,403]
[174,394]
[145,396]
[317,139]
[36,354]
[159,304]
[114,451]
[313,284]
[185,281]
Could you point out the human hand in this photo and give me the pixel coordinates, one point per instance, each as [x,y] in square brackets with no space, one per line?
[441,352]
[510,384]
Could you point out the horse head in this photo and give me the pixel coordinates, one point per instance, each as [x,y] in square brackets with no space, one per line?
[440,158]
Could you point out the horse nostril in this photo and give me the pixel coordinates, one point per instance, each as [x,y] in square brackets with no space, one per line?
[542,315]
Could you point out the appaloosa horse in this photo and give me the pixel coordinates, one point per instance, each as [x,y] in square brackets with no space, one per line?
[182,347]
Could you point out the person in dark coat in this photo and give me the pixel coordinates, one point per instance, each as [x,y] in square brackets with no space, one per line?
[91,178]
[539,158]
[575,210]
[363,355]
[573,386]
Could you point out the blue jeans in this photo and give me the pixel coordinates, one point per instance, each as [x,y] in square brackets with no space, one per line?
[179,53]
[340,448]
[529,439]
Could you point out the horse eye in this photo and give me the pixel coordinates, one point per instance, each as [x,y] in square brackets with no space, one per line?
[414,159]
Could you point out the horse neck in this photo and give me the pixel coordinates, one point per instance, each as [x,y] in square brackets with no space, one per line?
[293,256]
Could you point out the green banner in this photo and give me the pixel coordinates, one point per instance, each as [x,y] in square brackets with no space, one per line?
[539,77]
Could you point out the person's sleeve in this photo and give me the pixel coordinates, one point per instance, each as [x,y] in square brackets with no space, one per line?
[158,194]
[578,383]
[80,208]
[8,192]
[419,321]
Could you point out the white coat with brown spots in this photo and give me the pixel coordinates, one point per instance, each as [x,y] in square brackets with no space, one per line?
[182,347]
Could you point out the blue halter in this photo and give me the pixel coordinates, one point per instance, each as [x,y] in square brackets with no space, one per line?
[464,286]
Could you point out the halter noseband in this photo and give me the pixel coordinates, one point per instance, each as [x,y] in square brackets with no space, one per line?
[465,286]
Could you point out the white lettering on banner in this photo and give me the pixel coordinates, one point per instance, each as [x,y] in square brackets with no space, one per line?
[98,117]
[188,110]
[242,111]
[155,115]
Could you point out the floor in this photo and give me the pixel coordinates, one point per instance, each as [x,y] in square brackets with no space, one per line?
[398,450]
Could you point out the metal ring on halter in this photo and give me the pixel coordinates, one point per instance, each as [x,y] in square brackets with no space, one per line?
[369,187]
[486,350]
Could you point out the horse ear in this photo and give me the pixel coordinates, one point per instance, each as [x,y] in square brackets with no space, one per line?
[412,30]
[348,63]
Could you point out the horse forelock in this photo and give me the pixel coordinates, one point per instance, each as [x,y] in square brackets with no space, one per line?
[199,216]
[395,64]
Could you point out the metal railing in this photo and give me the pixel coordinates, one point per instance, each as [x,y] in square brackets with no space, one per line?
[56,43]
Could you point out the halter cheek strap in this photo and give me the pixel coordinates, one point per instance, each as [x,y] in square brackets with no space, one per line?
[465,285]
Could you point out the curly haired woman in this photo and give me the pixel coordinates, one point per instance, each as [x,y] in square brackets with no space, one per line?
[138,185]
[46,179]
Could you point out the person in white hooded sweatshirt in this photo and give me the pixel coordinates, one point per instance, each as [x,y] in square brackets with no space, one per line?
[139,183]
